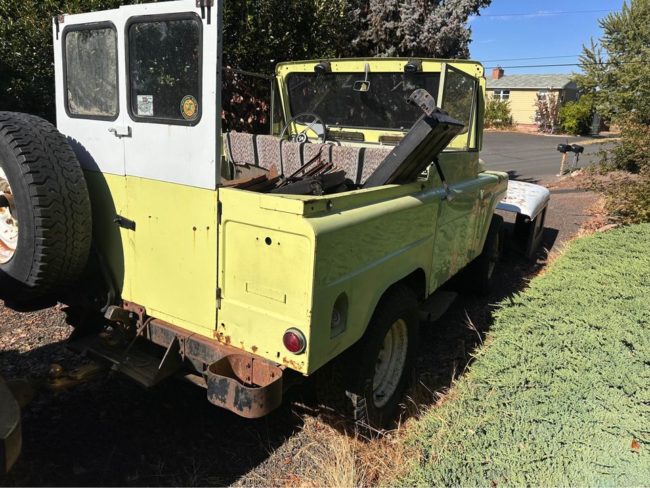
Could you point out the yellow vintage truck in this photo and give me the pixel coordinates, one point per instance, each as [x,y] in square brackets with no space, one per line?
[246,262]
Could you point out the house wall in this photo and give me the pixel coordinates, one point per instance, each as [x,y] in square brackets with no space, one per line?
[522,103]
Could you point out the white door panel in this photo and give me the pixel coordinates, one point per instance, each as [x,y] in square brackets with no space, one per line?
[182,150]
[97,148]
[179,151]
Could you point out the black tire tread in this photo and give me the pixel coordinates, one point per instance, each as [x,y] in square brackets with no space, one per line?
[59,200]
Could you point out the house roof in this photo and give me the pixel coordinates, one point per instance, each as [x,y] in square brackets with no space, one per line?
[531,81]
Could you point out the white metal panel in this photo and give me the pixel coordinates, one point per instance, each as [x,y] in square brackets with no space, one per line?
[180,154]
[96,147]
[525,198]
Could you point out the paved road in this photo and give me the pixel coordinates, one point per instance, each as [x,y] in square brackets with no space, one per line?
[531,157]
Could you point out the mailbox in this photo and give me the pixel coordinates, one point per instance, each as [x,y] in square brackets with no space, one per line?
[564,148]
[577,148]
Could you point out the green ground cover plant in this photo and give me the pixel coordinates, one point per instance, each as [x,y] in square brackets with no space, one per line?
[560,393]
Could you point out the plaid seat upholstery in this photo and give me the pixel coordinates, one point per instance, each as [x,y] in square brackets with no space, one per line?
[372,157]
[265,151]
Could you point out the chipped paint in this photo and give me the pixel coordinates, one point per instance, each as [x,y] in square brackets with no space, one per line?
[525,198]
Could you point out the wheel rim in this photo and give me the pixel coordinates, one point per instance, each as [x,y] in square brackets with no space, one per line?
[8,223]
[390,363]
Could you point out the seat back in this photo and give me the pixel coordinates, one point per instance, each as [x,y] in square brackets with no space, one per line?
[288,157]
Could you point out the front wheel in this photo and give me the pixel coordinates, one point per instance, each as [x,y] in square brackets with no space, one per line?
[379,365]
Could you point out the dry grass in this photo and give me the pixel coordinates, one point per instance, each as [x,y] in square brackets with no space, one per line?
[334,455]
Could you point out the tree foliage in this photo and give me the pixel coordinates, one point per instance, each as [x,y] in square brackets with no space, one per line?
[419,28]
[257,35]
[547,115]
[616,76]
[616,72]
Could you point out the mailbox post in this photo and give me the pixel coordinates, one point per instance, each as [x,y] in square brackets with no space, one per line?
[564,149]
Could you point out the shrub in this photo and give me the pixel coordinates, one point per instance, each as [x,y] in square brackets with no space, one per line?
[548,113]
[497,113]
[632,153]
[576,117]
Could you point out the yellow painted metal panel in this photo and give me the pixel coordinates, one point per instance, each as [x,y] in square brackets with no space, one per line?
[171,256]
[169,263]
[266,271]
[108,199]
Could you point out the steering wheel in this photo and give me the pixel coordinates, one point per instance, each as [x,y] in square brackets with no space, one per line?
[312,121]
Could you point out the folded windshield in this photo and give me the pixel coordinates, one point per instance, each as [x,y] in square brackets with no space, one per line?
[382,106]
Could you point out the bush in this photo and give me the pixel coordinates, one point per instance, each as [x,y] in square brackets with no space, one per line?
[632,153]
[576,117]
[497,113]
[547,116]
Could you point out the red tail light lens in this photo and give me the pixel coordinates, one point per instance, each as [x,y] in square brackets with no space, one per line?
[294,341]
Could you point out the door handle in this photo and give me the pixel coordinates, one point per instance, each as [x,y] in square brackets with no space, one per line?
[120,131]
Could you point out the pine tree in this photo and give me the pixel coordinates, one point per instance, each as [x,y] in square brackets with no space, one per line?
[422,28]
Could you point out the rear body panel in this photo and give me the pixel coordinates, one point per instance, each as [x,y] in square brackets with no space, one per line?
[312,252]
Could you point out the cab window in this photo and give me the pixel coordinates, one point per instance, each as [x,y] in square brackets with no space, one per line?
[459,100]
[164,65]
[90,71]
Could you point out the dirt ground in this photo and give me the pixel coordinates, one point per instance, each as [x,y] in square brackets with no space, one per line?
[112,432]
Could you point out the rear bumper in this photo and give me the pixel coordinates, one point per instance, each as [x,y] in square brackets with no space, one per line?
[235,380]
[243,383]
[10,431]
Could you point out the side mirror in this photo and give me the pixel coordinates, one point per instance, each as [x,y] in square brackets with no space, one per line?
[361,86]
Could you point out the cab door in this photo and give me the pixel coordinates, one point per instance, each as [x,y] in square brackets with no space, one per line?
[89,67]
[455,241]
[172,109]
[89,74]
[171,158]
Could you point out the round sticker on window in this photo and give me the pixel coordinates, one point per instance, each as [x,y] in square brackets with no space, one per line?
[189,107]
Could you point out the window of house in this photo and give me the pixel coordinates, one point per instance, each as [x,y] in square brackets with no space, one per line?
[501,94]
[164,67]
[90,71]
[542,94]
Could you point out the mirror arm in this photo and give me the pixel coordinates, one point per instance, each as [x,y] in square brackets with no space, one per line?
[448,194]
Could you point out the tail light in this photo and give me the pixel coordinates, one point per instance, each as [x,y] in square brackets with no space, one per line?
[294,341]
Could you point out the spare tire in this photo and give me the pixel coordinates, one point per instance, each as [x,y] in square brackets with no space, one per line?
[45,215]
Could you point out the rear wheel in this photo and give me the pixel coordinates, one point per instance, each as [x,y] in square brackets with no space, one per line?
[45,221]
[378,368]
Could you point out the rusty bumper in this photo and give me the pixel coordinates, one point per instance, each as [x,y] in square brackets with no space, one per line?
[10,432]
[243,383]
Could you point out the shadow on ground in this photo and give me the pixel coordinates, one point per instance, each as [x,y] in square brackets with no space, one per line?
[112,432]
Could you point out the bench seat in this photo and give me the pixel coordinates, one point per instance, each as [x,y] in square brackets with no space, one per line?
[288,157]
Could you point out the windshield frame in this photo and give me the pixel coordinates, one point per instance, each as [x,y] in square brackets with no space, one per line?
[374,136]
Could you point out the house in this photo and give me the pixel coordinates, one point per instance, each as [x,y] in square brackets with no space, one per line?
[523,91]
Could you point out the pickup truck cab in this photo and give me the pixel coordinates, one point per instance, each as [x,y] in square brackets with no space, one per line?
[219,255]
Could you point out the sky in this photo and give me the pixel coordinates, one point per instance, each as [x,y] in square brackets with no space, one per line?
[555,30]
